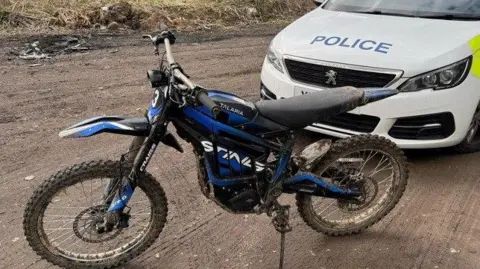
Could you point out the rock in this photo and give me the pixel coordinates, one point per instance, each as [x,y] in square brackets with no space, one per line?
[113,26]
[101,88]
[452,250]
[4,72]
[15,239]
[29,178]
[252,12]
[119,12]
[157,255]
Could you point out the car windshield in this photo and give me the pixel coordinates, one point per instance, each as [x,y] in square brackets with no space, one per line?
[448,9]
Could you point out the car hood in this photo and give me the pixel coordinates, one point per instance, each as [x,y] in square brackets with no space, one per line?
[413,45]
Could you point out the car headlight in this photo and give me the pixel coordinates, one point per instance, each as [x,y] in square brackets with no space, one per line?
[274,59]
[443,78]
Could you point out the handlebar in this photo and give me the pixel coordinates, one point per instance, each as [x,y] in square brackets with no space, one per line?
[203,98]
[166,37]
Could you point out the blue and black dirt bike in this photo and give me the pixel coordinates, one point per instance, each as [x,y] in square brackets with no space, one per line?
[101,214]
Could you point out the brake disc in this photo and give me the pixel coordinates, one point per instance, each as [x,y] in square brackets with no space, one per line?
[369,189]
[86,223]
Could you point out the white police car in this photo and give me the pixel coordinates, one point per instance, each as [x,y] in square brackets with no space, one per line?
[428,50]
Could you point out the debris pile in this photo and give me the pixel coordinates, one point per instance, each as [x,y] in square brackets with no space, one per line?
[114,15]
[47,47]
[15,19]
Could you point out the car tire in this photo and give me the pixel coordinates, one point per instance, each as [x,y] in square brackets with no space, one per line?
[471,142]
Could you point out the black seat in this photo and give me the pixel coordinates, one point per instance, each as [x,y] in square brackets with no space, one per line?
[300,111]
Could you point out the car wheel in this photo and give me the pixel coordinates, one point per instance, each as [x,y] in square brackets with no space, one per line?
[471,143]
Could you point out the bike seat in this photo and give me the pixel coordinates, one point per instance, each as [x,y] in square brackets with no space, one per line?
[303,110]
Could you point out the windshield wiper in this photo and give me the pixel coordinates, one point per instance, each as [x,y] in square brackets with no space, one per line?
[465,17]
[379,12]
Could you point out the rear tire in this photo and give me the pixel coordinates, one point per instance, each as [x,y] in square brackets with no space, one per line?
[341,149]
[42,196]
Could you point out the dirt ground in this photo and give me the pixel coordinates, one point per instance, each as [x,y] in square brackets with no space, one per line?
[436,224]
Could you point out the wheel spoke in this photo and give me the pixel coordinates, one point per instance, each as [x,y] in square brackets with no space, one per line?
[61,218]
[349,171]
[72,212]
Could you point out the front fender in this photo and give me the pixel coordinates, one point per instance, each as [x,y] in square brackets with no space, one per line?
[109,124]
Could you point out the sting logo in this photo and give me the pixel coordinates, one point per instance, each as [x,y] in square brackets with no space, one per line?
[230,155]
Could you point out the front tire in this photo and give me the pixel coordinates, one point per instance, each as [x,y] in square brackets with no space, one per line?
[49,192]
[342,151]
[471,142]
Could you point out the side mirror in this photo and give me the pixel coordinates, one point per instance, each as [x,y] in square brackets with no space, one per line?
[318,2]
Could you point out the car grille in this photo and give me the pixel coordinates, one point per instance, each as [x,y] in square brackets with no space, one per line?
[316,74]
[353,122]
[426,127]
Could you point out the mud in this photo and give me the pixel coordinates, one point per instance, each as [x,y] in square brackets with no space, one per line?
[436,224]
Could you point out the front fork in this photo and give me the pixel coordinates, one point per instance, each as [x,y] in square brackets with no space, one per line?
[140,153]
[140,162]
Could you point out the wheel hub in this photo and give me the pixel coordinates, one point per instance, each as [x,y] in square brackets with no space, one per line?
[89,225]
[368,188]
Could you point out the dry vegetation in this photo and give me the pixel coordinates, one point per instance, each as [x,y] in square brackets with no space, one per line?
[148,14]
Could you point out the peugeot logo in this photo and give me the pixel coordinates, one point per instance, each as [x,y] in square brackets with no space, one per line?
[332,77]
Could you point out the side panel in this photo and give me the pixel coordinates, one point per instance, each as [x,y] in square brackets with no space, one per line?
[230,152]
[155,106]
[240,114]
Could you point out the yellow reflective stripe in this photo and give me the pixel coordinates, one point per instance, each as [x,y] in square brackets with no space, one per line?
[475,46]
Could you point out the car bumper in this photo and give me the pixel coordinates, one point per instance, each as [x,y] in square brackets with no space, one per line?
[415,120]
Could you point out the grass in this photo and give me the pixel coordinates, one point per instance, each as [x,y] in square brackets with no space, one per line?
[186,15]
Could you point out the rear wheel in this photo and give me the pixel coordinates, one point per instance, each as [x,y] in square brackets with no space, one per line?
[370,163]
[62,219]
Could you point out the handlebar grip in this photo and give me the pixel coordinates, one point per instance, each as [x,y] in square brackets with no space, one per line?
[203,99]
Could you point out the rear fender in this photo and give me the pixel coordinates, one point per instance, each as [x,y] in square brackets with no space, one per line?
[108,124]
[312,154]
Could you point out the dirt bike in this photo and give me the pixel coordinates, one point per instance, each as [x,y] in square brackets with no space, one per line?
[102,214]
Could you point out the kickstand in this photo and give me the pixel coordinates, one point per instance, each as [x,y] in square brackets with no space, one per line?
[281,223]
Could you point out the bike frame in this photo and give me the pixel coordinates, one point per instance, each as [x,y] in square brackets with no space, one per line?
[198,127]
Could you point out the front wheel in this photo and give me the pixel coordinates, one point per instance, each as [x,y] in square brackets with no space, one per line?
[370,163]
[62,217]
[471,142]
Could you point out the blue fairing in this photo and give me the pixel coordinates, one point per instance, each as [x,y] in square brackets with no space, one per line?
[153,112]
[214,179]
[97,125]
[218,127]
[232,101]
[97,128]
